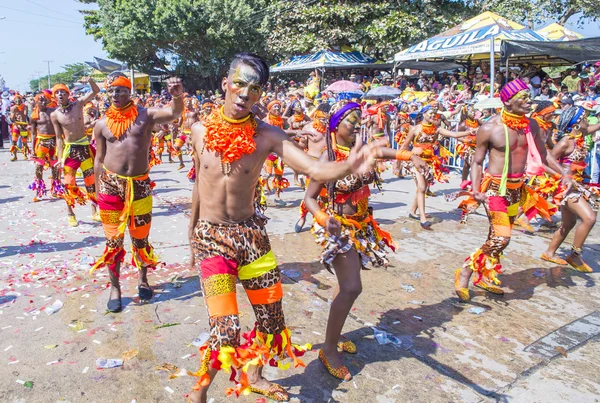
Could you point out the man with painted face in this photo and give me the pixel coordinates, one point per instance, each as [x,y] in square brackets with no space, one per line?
[44,148]
[513,143]
[18,115]
[229,240]
[73,148]
[123,139]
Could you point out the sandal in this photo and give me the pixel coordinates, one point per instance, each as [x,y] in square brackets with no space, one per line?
[584,268]
[347,346]
[414,217]
[300,224]
[490,288]
[463,293]
[145,292]
[426,225]
[275,392]
[553,259]
[114,305]
[340,372]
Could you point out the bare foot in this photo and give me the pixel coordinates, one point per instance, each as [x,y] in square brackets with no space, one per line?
[197,396]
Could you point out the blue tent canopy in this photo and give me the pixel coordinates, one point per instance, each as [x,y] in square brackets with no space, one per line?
[329,59]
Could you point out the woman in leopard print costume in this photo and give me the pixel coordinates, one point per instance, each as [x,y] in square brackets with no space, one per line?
[350,236]
[581,201]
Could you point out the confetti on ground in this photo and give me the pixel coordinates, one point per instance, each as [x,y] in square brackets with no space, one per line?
[8,348]
[168,389]
[129,355]
[97,341]
[85,370]
[51,346]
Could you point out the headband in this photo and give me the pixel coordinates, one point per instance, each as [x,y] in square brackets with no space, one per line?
[59,87]
[425,109]
[575,118]
[547,110]
[272,104]
[118,81]
[511,89]
[337,117]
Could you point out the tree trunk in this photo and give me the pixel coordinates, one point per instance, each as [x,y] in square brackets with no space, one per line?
[568,14]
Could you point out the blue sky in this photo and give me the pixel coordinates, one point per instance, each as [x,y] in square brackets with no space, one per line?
[37,30]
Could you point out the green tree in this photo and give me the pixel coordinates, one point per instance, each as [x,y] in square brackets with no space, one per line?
[379,28]
[69,75]
[536,12]
[187,37]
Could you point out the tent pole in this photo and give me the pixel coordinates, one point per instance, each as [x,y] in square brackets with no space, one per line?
[492,73]
[506,72]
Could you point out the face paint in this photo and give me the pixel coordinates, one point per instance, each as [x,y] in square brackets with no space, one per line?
[244,76]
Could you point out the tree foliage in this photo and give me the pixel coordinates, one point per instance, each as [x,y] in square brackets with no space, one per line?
[198,38]
[182,36]
[541,12]
[69,75]
[379,28]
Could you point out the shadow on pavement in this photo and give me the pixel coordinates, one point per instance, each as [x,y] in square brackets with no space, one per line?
[10,199]
[51,247]
[416,327]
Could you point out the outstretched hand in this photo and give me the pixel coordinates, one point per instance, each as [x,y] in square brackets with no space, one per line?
[175,86]
[362,157]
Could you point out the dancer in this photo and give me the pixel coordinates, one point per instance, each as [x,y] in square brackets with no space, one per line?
[316,132]
[123,140]
[350,236]
[18,115]
[426,137]
[581,201]
[44,148]
[274,164]
[229,241]
[73,147]
[466,145]
[508,138]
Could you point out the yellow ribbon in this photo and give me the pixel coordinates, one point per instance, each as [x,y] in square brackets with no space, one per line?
[84,141]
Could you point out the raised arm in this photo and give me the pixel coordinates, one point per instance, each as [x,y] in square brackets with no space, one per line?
[360,160]
[456,135]
[174,109]
[90,95]
[409,138]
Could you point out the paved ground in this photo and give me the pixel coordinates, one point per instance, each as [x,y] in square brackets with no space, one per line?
[538,343]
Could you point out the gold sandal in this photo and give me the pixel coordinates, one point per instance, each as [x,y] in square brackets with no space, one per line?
[553,259]
[584,268]
[490,288]
[463,293]
[275,392]
[340,372]
[347,346]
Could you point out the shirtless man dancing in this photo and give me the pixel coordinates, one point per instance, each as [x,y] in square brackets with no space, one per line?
[229,241]
[18,115]
[73,146]
[123,139]
[44,148]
